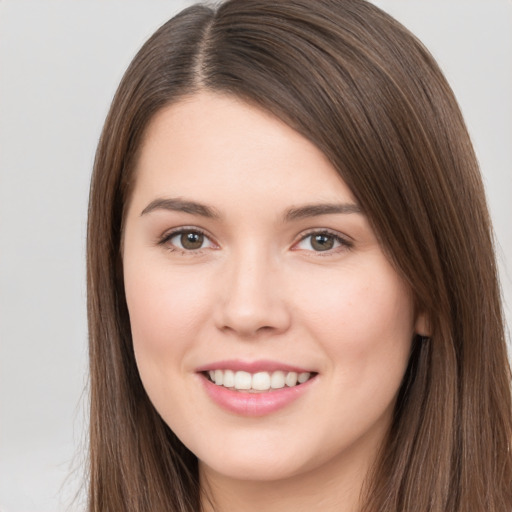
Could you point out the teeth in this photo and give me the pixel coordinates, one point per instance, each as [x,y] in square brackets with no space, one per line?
[229,379]
[243,380]
[303,377]
[261,381]
[291,379]
[277,380]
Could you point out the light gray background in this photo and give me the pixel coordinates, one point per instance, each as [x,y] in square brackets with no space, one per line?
[60,63]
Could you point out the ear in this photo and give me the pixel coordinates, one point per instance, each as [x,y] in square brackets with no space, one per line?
[422,325]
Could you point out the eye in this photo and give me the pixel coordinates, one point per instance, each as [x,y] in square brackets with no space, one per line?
[187,240]
[322,241]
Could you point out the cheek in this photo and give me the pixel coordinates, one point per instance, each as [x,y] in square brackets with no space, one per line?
[364,323]
[364,319]
[167,312]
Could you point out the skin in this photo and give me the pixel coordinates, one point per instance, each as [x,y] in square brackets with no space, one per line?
[258,289]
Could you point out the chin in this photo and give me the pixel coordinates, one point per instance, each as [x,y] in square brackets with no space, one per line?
[258,469]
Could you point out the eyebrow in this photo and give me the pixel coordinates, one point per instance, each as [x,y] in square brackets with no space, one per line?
[315,210]
[181,205]
[301,212]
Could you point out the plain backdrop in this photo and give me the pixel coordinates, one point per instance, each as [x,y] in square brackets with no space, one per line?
[60,63]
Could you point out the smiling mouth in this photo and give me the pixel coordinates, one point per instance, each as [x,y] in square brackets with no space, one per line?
[259,382]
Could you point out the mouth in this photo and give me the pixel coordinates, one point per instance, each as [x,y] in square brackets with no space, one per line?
[258,382]
[255,388]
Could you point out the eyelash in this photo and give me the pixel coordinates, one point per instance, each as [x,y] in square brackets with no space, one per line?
[164,241]
[344,244]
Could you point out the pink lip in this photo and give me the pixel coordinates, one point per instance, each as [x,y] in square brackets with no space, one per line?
[254,404]
[262,365]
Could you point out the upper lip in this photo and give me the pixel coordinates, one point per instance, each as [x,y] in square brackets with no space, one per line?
[262,365]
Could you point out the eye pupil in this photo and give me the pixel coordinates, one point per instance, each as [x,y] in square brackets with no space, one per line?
[322,242]
[192,240]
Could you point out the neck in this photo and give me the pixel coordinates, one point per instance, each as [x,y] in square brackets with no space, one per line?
[335,486]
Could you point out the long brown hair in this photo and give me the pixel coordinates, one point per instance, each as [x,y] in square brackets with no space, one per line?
[370,96]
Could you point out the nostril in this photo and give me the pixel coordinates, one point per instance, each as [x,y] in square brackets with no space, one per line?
[249,321]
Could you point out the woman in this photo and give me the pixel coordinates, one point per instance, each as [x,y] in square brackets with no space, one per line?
[293,300]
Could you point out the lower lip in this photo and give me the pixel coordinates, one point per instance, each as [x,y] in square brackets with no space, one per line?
[254,404]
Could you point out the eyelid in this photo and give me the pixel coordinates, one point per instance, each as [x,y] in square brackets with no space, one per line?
[168,235]
[345,241]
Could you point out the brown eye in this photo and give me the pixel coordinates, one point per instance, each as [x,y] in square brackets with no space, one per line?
[187,240]
[191,240]
[322,242]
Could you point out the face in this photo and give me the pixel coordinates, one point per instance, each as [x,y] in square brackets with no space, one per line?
[270,331]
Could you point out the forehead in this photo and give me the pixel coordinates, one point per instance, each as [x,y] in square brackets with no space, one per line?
[210,144]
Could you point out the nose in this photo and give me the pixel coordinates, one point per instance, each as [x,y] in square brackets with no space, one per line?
[253,301]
